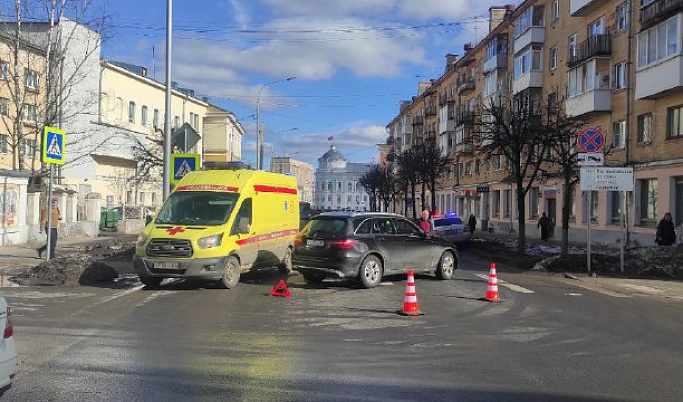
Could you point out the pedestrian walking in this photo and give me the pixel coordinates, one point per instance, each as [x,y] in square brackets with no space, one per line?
[56,217]
[425,222]
[544,224]
[472,224]
[666,232]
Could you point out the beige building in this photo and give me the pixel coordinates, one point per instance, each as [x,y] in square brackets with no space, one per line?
[304,173]
[222,136]
[130,119]
[615,64]
[24,139]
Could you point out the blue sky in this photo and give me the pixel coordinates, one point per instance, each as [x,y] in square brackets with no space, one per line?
[353,60]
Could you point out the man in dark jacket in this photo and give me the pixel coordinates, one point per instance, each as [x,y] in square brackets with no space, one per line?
[472,224]
[666,233]
[544,224]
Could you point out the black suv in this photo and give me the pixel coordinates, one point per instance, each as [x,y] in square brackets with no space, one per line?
[368,246]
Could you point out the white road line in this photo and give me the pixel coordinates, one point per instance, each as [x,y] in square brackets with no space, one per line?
[152,297]
[510,286]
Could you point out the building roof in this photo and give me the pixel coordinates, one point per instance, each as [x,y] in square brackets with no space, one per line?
[332,155]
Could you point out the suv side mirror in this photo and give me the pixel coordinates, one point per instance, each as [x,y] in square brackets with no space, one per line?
[244,226]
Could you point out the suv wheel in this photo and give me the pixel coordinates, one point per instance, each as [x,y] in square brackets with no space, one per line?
[447,266]
[151,282]
[285,266]
[231,274]
[370,273]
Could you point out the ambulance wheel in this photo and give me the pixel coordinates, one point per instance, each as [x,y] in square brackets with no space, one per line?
[285,266]
[231,274]
[151,282]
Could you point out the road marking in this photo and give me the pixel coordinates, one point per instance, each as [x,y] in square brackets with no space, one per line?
[386,284]
[152,297]
[510,286]
[643,289]
[109,298]
[573,294]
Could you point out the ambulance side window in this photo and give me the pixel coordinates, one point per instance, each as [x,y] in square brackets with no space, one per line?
[244,212]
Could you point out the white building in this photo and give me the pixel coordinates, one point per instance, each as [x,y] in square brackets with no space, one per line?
[337,186]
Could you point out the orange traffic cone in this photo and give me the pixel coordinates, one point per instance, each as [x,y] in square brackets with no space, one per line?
[492,289]
[410,306]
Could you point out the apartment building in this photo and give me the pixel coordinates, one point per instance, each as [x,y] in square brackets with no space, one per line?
[304,173]
[615,64]
[31,97]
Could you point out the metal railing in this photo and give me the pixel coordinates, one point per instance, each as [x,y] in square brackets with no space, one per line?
[597,45]
[658,11]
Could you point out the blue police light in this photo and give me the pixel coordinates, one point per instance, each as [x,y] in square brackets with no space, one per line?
[452,214]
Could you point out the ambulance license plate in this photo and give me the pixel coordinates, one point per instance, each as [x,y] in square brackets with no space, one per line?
[315,243]
[166,265]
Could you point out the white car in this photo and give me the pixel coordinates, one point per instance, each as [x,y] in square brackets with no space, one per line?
[8,352]
[452,229]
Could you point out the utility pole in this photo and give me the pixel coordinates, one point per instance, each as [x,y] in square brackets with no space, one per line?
[167,117]
[259,133]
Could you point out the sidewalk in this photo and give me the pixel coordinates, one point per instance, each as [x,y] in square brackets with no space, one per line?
[25,255]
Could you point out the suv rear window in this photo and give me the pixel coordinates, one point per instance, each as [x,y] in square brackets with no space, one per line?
[447,221]
[325,228]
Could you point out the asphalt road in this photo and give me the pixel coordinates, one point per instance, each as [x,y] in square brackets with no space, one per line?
[547,340]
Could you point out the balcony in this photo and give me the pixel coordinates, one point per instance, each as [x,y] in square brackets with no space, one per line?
[418,121]
[589,102]
[658,11]
[430,111]
[498,61]
[660,79]
[595,46]
[532,79]
[447,126]
[445,99]
[406,129]
[464,147]
[466,85]
[534,34]
[579,8]
[464,117]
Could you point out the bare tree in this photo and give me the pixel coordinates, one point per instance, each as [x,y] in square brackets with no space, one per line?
[408,176]
[371,181]
[47,62]
[434,165]
[514,129]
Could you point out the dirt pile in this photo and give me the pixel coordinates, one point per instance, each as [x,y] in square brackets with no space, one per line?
[84,266]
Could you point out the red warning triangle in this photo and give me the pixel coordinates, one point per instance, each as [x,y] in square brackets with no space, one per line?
[280,289]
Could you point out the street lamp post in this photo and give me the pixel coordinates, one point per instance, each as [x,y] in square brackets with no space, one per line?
[259,134]
[167,117]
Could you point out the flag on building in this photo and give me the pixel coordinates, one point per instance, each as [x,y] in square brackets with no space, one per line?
[330,138]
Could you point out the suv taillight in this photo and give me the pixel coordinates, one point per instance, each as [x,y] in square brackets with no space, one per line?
[342,244]
[9,329]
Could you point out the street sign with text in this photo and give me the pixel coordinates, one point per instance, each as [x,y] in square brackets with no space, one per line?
[607,179]
[591,159]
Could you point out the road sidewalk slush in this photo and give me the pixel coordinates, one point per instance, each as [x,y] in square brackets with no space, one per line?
[23,256]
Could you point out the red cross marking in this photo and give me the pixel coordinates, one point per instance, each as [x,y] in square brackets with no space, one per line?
[173,231]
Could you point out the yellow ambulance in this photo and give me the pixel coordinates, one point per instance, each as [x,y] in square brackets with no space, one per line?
[217,224]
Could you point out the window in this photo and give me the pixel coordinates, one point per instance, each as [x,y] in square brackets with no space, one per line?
[507,203]
[674,118]
[4,107]
[196,122]
[30,113]
[4,70]
[338,199]
[141,197]
[645,128]
[620,76]
[243,213]
[4,143]
[131,112]
[552,101]
[490,83]
[498,45]
[192,120]
[476,167]
[596,27]
[616,205]
[529,60]
[348,199]
[329,186]
[648,202]
[155,118]
[31,78]
[461,170]
[176,121]
[571,46]
[339,186]
[143,116]
[404,227]
[533,202]
[619,131]
[349,187]
[658,42]
[496,162]
[468,168]
[552,58]
[363,226]
[532,17]
[129,197]
[495,201]
[621,16]
[555,10]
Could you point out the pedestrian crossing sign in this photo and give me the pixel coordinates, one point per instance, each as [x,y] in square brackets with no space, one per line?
[183,164]
[54,140]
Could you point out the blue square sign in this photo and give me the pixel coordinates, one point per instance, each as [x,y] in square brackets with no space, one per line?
[183,164]
[53,145]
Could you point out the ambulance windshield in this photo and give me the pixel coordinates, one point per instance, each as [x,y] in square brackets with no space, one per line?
[197,208]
